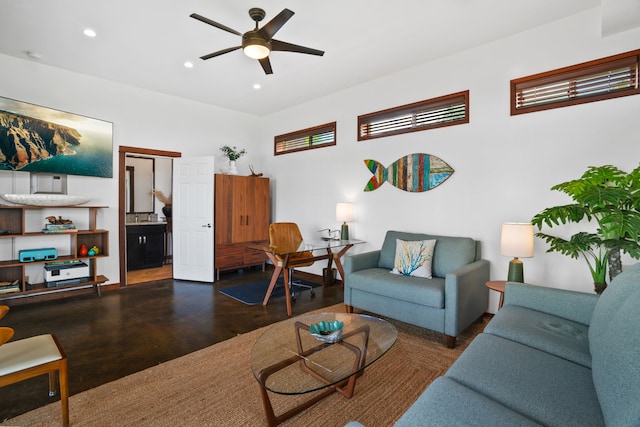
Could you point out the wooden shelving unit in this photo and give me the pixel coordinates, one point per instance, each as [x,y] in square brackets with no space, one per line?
[17,229]
[242,207]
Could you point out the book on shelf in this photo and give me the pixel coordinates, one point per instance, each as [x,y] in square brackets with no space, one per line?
[13,287]
[59,228]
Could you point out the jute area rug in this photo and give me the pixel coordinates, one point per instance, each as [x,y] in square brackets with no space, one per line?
[215,387]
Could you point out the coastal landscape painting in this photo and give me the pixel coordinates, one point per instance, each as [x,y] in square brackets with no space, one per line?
[40,139]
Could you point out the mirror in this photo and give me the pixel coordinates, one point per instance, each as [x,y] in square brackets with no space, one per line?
[139,181]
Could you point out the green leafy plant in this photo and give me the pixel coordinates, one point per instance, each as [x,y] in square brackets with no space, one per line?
[232,153]
[611,198]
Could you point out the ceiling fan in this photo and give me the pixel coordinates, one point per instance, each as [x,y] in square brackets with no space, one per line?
[259,42]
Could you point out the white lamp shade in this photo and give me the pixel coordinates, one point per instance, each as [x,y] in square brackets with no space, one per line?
[344,212]
[517,239]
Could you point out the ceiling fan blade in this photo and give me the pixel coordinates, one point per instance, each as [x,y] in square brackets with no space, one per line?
[266,65]
[277,45]
[215,24]
[220,52]
[271,28]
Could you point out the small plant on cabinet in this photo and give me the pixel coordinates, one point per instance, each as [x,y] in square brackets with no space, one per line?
[232,153]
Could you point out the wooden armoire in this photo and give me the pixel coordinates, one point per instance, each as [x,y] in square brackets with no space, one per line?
[242,217]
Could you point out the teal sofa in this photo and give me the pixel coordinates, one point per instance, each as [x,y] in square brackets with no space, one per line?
[448,303]
[549,357]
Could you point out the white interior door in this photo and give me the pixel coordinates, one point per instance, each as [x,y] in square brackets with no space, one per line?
[192,209]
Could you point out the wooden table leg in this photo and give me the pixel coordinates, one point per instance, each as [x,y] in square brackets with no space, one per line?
[273,419]
[274,277]
[280,266]
[336,258]
[287,290]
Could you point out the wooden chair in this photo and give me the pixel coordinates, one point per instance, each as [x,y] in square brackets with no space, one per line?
[284,240]
[31,357]
[5,335]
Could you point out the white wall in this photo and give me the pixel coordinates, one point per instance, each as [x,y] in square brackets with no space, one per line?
[140,119]
[504,166]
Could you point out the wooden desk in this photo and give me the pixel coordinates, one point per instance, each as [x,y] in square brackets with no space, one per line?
[498,286]
[283,261]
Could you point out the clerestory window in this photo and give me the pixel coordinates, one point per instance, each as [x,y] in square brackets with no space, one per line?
[306,139]
[433,113]
[591,81]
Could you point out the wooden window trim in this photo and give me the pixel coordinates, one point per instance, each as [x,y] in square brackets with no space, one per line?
[305,133]
[366,120]
[571,73]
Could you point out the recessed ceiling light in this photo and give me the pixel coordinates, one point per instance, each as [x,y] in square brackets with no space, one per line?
[256,86]
[89,32]
[188,64]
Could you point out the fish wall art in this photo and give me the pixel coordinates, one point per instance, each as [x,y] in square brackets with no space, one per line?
[416,173]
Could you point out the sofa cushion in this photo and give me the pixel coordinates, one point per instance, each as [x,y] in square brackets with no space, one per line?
[446,403]
[546,388]
[379,281]
[414,258]
[614,340]
[543,331]
[450,254]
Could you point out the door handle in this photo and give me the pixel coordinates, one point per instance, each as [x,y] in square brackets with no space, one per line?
[207,226]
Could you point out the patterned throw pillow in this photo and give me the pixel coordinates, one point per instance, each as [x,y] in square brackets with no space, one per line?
[414,258]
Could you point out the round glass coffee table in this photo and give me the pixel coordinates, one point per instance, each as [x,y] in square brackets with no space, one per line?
[288,359]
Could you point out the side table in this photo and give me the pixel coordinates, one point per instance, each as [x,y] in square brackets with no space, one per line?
[498,286]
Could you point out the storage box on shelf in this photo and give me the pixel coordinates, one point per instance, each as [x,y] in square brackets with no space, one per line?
[21,227]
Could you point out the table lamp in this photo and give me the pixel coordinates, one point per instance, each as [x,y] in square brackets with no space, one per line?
[344,213]
[517,241]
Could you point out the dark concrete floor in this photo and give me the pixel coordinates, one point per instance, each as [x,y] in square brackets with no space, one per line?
[131,329]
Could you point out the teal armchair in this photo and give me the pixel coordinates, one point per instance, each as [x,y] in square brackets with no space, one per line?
[448,303]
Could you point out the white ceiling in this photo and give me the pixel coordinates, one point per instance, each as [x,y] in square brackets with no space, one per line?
[144,43]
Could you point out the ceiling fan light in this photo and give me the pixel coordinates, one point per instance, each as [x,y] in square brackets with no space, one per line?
[256,51]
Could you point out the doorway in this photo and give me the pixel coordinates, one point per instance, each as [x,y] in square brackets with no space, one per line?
[124,205]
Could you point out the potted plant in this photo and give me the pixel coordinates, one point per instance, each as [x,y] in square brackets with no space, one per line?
[233,154]
[611,198]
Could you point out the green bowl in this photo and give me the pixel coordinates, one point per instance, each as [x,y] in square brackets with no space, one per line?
[329,332]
